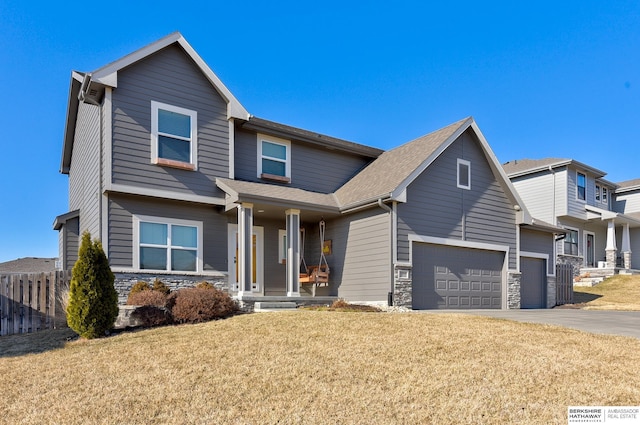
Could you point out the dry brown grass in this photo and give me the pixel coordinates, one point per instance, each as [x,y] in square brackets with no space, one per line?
[310,367]
[616,293]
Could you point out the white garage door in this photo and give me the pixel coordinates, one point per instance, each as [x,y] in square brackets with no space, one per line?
[447,277]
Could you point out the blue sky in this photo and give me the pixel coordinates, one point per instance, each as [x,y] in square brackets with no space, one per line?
[542,79]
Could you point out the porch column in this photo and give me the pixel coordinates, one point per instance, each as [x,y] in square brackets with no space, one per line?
[245,248]
[293,252]
[611,249]
[626,246]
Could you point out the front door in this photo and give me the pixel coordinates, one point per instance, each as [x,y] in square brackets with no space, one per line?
[589,249]
[257,270]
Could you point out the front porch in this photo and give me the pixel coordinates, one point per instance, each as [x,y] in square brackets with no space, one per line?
[248,302]
[591,276]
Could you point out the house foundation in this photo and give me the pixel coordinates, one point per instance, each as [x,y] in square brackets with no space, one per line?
[125,281]
[513,290]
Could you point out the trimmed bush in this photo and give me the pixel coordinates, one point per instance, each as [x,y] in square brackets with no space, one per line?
[205,285]
[160,286]
[147,297]
[194,305]
[140,286]
[93,299]
[151,315]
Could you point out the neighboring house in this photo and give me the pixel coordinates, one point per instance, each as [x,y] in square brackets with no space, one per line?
[601,218]
[180,182]
[29,265]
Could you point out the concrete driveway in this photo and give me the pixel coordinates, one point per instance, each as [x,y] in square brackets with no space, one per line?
[625,323]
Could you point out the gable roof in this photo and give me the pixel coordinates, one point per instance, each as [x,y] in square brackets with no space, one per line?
[389,175]
[82,84]
[389,171]
[521,167]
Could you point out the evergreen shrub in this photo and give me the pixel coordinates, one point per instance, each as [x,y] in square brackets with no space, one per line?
[93,299]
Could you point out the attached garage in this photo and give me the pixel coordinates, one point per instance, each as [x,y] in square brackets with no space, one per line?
[451,277]
[533,282]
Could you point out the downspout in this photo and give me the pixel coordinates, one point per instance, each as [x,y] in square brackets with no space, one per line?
[392,234]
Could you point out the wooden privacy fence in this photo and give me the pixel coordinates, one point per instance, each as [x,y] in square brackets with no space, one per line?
[28,301]
[564,284]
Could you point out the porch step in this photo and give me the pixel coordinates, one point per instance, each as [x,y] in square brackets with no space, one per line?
[264,306]
[588,281]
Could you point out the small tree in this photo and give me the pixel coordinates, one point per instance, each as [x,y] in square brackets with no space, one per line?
[93,300]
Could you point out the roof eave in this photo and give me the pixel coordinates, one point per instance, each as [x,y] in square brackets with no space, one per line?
[274,129]
[70,122]
[108,74]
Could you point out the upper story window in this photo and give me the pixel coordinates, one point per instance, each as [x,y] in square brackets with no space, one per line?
[605,195]
[274,158]
[173,136]
[598,193]
[581,184]
[571,242]
[167,244]
[464,174]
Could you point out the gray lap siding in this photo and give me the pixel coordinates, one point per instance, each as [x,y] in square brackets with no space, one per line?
[361,255]
[538,242]
[436,207]
[312,168]
[169,77]
[84,173]
[123,207]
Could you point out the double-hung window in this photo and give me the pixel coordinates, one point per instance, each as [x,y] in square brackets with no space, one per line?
[274,158]
[598,193]
[167,244]
[581,186]
[173,136]
[571,242]
[605,196]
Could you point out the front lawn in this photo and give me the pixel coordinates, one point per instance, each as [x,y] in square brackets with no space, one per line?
[620,292]
[310,367]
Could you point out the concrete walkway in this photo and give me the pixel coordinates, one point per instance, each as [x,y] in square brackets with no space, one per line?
[625,323]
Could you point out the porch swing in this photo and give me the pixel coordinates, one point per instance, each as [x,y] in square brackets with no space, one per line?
[316,275]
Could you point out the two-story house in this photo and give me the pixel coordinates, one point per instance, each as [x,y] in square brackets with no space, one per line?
[600,217]
[181,183]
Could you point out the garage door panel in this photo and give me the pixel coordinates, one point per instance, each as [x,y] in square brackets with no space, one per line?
[456,278]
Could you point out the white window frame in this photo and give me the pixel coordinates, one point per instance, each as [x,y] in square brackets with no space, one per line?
[578,174]
[193,140]
[276,141]
[458,169]
[598,193]
[577,254]
[605,195]
[137,219]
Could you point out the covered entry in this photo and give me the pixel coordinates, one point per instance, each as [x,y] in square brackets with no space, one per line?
[533,282]
[451,277]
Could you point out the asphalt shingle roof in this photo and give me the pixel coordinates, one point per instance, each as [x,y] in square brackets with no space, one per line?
[393,167]
[520,165]
[29,265]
